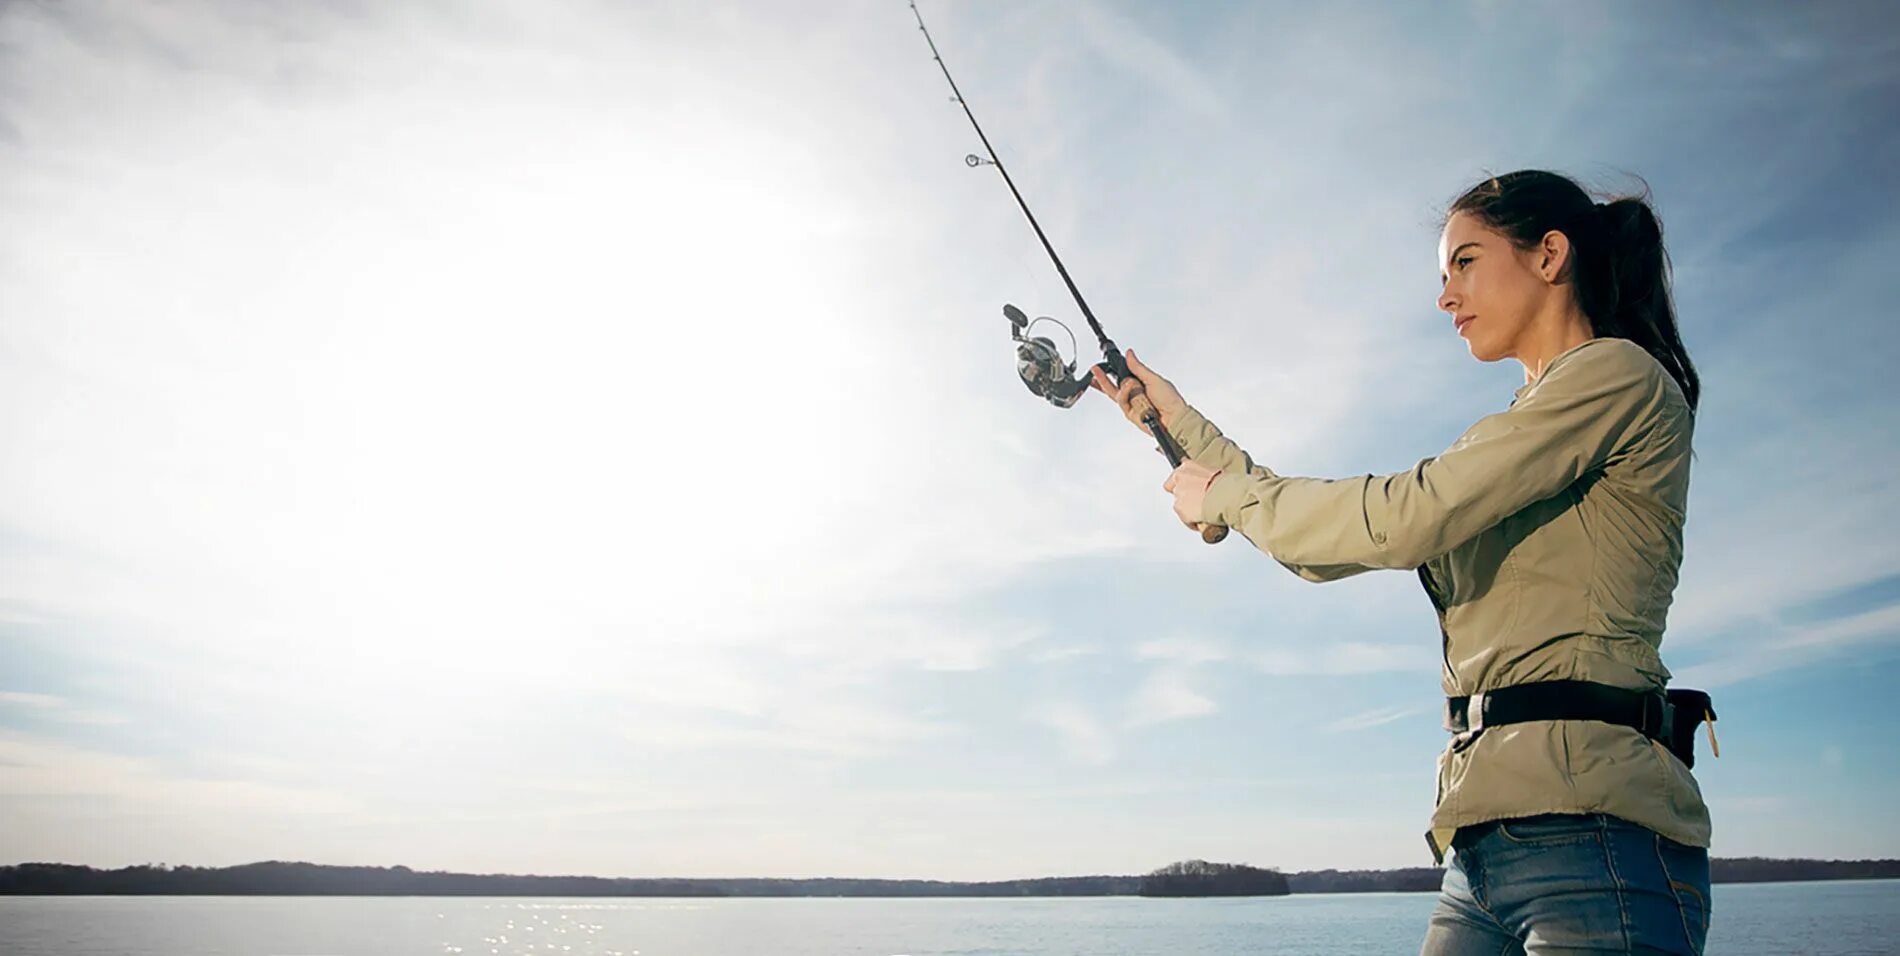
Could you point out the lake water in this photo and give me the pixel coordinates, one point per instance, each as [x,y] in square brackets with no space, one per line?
[1769,919]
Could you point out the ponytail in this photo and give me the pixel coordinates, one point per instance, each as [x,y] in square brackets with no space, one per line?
[1639,307]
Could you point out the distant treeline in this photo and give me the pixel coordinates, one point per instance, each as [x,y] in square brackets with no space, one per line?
[311,879]
[1408,880]
[1201,878]
[1756,869]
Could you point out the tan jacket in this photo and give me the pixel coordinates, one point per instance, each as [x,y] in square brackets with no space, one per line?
[1551,533]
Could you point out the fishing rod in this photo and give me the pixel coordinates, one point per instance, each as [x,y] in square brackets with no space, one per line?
[1038,361]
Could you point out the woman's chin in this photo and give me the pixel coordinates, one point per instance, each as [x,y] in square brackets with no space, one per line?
[1485,353]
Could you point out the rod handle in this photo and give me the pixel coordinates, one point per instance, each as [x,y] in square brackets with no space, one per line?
[1145,410]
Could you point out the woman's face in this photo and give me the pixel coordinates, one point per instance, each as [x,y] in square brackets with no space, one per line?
[1492,288]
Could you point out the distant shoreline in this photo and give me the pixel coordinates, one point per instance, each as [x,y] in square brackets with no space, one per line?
[813,896]
[276,878]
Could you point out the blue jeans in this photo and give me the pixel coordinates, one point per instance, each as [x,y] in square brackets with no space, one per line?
[1558,884]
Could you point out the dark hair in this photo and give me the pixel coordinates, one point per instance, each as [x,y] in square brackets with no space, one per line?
[1618,266]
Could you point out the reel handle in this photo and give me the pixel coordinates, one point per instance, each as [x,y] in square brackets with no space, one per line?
[1210,533]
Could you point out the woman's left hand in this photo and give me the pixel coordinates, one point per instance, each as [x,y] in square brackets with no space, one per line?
[1189,484]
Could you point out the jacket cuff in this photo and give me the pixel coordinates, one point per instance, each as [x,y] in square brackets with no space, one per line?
[1225,497]
[1192,432]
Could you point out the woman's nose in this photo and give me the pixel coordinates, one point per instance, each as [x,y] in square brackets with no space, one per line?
[1448,301]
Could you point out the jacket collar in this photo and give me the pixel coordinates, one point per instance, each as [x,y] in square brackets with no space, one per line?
[1566,353]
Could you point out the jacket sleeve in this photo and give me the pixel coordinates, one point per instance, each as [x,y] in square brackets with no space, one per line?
[1592,403]
[1204,443]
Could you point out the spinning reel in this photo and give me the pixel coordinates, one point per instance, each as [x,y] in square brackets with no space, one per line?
[1040,363]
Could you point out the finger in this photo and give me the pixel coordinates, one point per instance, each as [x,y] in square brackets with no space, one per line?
[1134,365]
[1168,486]
[1147,375]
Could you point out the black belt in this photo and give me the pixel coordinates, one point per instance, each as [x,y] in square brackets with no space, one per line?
[1670,717]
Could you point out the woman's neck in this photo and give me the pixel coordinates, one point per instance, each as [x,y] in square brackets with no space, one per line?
[1557,332]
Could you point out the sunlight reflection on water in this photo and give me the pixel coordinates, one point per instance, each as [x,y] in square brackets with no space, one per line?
[1824,919]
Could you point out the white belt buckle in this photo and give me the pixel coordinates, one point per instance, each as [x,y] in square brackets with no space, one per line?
[1474,713]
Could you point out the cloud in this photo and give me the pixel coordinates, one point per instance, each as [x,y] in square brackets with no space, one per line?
[1346,657]
[1183,649]
[55,709]
[1122,40]
[1165,695]
[1084,738]
[836,728]
[1771,646]
[1066,652]
[1872,594]
[1365,720]
[42,767]
[400,394]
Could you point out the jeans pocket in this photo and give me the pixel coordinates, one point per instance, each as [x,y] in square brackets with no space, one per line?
[1687,869]
[1548,829]
[1695,913]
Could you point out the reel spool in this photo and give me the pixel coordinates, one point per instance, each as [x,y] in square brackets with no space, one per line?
[1039,363]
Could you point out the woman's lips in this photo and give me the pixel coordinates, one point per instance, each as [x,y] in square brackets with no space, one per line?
[1462,321]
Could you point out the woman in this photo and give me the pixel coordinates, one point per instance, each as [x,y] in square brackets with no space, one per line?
[1548,536]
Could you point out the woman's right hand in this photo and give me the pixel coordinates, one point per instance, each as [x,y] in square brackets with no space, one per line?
[1161,392]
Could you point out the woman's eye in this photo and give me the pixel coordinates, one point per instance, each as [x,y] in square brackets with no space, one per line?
[1464,261]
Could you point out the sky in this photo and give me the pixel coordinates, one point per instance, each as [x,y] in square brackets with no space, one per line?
[581,437]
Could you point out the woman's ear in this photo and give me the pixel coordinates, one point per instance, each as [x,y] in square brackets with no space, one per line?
[1554,256]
